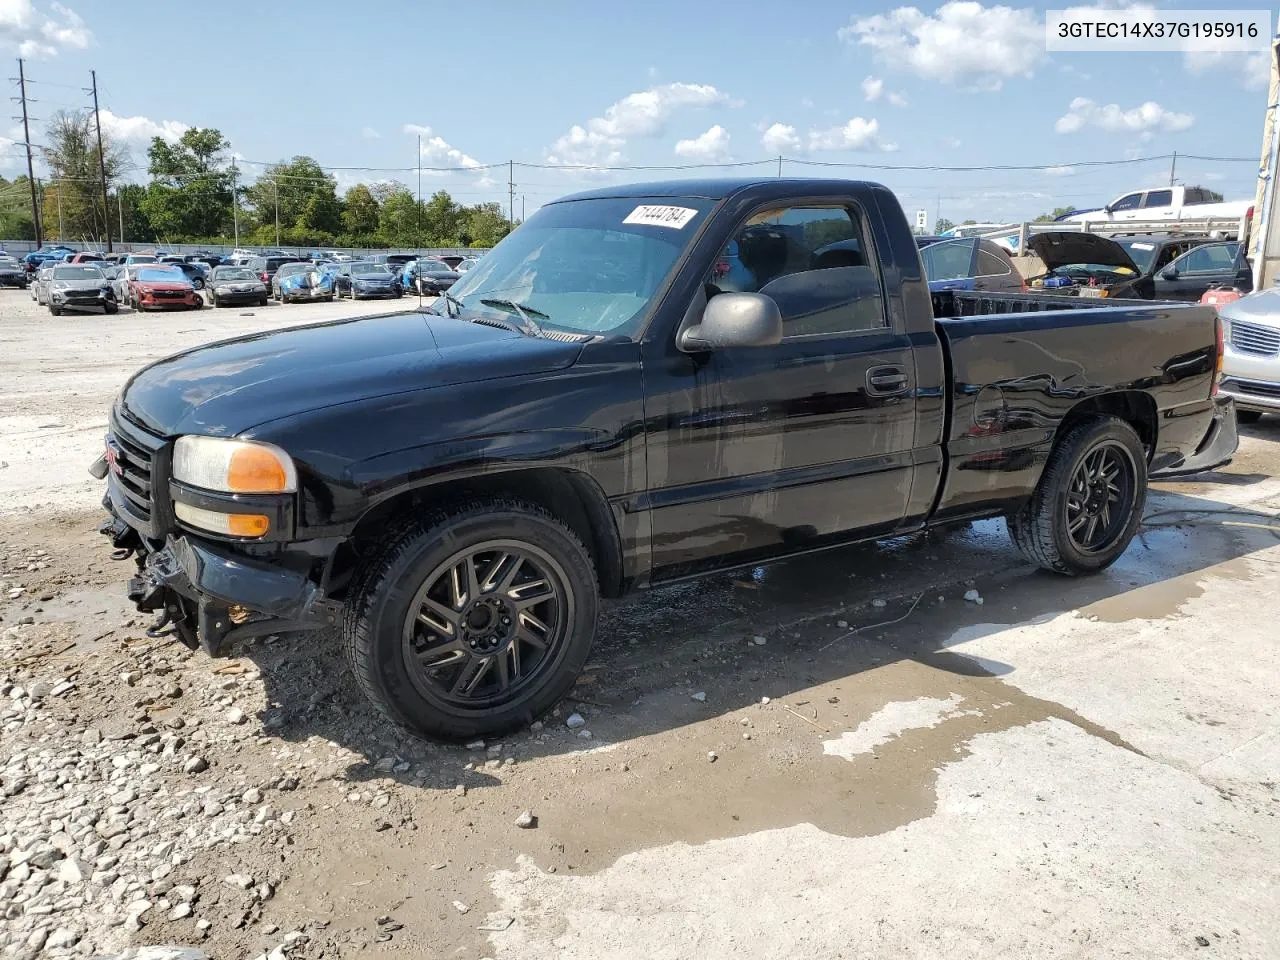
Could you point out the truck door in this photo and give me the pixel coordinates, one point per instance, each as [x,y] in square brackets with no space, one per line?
[761,451]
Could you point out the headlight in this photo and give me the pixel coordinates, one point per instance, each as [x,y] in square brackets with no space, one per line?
[231,524]
[233,466]
[59,285]
[222,290]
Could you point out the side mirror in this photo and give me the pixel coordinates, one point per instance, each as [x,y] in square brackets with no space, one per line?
[1107,208]
[735,320]
[1169,273]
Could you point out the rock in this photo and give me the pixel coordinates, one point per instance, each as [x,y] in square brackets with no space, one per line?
[72,870]
[700,696]
[460,790]
[842,624]
[252,795]
[973,596]
[180,912]
[45,858]
[61,687]
[877,602]
[475,745]
[575,720]
[183,893]
[195,765]
[461,907]
[712,756]
[758,640]
[61,938]
[585,734]
[241,881]
[764,700]
[236,716]
[385,765]
[38,689]
[526,820]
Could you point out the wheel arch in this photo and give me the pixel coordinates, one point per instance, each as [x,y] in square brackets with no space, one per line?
[571,495]
[1134,407]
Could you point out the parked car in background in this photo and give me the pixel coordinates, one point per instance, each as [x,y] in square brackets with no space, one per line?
[1089,265]
[12,273]
[465,264]
[36,258]
[228,286]
[86,256]
[364,279]
[1209,265]
[296,282]
[80,286]
[157,287]
[195,272]
[969,264]
[140,258]
[40,285]
[266,267]
[1165,203]
[429,277]
[1251,358]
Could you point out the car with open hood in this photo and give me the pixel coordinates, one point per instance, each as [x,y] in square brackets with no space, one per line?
[301,282]
[1090,265]
[162,287]
[80,286]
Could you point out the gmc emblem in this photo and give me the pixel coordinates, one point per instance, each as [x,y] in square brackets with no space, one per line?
[115,457]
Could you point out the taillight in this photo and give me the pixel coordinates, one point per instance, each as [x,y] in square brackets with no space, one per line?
[264,276]
[1222,348]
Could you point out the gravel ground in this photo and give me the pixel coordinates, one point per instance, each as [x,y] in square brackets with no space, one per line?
[838,756]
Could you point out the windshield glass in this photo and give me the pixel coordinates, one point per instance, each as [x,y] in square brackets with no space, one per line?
[235,273]
[141,258]
[588,266]
[77,273]
[289,269]
[369,270]
[1141,252]
[156,275]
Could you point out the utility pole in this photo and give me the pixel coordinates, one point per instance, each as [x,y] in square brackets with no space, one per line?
[419,188]
[102,161]
[522,208]
[235,204]
[60,230]
[511,192]
[120,208]
[1173,167]
[779,164]
[275,182]
[26,136]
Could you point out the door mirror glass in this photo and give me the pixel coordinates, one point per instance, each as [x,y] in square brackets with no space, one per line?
[735,320]
[1169,273]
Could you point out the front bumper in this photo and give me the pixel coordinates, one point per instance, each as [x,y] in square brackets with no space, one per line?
[213,597]
[306,293]
[1218,446]
[368,293]
[1260,395]
[74,299]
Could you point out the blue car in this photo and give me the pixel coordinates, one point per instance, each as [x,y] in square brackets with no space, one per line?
[295,282]
[969,264]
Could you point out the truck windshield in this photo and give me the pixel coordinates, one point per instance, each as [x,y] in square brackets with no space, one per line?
[587,266]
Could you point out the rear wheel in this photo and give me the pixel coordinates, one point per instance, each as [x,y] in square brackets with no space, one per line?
[472,621]
[1248,416]
[1088,504]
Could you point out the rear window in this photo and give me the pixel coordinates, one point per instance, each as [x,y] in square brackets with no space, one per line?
[275,263]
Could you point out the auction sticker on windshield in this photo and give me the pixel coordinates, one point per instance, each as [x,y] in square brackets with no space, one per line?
[657,216]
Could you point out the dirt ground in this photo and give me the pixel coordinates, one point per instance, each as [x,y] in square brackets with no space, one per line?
[837,756]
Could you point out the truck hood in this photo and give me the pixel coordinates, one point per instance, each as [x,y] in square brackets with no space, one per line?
[224,389]
[1060,248]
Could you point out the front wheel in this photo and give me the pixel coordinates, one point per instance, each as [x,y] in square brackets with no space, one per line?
[55,311]
[1088,503]
[473,621]
[110,307]
[1248,416]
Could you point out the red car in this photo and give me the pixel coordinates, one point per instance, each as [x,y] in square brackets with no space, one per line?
[160,288]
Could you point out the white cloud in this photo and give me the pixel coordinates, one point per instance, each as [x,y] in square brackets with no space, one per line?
[641,114]
[872,88]
[781,138]
[439,151]
[370,134]
[963,42]
[708,147]
[1060,171]
[1083,112]
[1253,70]
[33,33]
[806,103]
[1213,176]
[858,133]
[141,130]
[896,99]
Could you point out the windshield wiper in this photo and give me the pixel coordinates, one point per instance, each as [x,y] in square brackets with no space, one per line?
[450,301]
[530,327]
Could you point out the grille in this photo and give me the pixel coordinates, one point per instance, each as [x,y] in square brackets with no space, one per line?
[168,294]
[1253,338]
[136,466]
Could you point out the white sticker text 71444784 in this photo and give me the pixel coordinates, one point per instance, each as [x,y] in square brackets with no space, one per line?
[659,216]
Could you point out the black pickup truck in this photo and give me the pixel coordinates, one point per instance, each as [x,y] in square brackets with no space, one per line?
[640,384]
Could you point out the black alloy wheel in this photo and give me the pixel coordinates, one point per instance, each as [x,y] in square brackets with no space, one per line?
[484,622]
[1100,499]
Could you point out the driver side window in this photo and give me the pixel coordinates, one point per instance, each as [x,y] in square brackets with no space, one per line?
[816,264]
[1128,202]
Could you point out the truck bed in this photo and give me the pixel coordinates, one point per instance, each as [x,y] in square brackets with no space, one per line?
[970,303]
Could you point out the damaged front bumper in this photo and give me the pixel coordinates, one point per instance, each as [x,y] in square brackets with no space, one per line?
[213,598]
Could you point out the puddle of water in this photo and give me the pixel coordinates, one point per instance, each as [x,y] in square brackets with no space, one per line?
[890,722]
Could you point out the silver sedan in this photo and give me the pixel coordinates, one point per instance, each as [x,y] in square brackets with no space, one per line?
[1251,360]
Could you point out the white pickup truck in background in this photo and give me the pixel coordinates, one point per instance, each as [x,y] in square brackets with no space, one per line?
[1164,203]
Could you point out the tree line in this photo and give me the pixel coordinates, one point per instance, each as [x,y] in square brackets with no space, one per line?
[194,194]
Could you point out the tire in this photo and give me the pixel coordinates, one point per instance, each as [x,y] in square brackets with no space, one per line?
[110,307]
[263,302]
[385,626]
[1041,528]
[1248,416]
[55,311]
[199,304]
[329,298]
[214,298]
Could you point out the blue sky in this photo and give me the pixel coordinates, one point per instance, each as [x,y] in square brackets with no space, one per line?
[658,82]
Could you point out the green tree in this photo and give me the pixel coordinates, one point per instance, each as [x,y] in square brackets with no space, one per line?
[398,219]
[129,201]
[483,225]
[190,191]
[293,184]
[1057,212]
[360,218]
[15,209]
[441,219]
[942,225]
[76,175]
[322,214]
